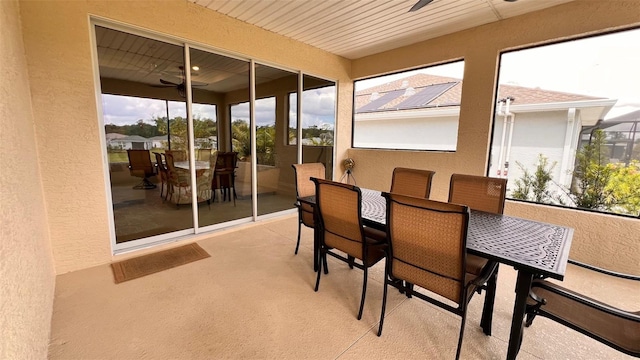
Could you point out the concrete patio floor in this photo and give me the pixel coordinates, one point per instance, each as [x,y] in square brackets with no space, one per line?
[254,299]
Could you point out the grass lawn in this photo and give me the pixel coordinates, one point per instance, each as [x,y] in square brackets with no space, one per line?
[120,156]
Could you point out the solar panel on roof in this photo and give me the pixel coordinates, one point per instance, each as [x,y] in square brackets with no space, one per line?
[425,96]
[379,102]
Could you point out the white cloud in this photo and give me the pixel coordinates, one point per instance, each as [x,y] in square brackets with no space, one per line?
[603,66]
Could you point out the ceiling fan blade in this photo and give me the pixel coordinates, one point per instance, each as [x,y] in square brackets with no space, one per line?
[165,82]
[419,5]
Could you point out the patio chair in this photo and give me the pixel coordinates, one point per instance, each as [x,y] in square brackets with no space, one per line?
[486,194]
[178,155]
[163,172]
[339,209]
[305,187]
[427,247]
[411,182]
[140,166]
[177,179]
[224,176]
[203,154]
[204,180]
[619,329]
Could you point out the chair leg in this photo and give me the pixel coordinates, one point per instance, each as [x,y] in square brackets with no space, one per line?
[489,300]
[320,269]
[409,289]
[351,260]
[364,291]
[298,243]
[326,268]
[384,303]
[464,318]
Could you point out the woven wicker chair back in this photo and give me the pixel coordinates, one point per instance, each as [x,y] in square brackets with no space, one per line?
[411,182]
[428,244]
[227,160]
[339,206]
[178,155]
[304,172]
[478,192]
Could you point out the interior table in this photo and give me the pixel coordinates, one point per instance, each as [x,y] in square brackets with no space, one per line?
[200,165]
[533,248]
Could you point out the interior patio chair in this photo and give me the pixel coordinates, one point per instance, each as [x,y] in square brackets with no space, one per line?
[305,187]
[486,194]
[140,166]
[178,155]
[178,179]
[204,180]
[339,209]
[203,154]
[617,328]
[163,172]
[224,176]
[427,247]
[411,182]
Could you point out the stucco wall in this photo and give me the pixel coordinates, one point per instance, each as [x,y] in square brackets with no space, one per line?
[26,266]
[58,48]
[480,48]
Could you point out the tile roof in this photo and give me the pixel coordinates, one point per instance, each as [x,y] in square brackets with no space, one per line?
[451,97]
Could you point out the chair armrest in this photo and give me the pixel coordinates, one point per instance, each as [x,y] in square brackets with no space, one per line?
[605,271]
[579,298]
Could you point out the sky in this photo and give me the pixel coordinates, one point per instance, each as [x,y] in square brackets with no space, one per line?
[605,66]
[127,110]
[318,109]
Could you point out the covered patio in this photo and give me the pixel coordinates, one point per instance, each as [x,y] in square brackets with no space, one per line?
[253,298]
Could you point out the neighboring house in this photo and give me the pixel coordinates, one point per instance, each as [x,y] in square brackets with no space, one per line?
[623,137]
[421,112]
[159,141]
[162,142]
[126,142]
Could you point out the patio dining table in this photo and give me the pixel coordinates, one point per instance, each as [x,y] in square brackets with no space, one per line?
[200,165]
[533,248]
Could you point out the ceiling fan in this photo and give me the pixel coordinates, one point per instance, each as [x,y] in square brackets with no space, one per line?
[181,87]
[419,5]
[422,3]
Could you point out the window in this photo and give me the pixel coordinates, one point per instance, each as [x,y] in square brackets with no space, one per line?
[265,113]
[566,124]
[135,122]
[413,110]
[318,116]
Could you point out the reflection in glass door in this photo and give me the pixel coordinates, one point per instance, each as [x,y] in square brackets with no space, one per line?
[218,80]
[181,142]
[318,121]
[144,116]
[275,180]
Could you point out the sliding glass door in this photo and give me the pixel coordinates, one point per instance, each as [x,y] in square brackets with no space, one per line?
[197,140]
[216,79]
[144,112]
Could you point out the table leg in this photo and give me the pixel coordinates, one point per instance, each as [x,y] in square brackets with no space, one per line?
[316,240]
[489,300]
[523,285]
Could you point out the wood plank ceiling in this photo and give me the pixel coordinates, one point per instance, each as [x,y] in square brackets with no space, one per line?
[357,28]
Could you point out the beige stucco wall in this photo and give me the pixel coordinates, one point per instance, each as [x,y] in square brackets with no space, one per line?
[58,48]
[598,238]
[27,276]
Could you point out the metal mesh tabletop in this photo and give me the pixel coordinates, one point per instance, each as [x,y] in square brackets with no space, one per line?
[538,247]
